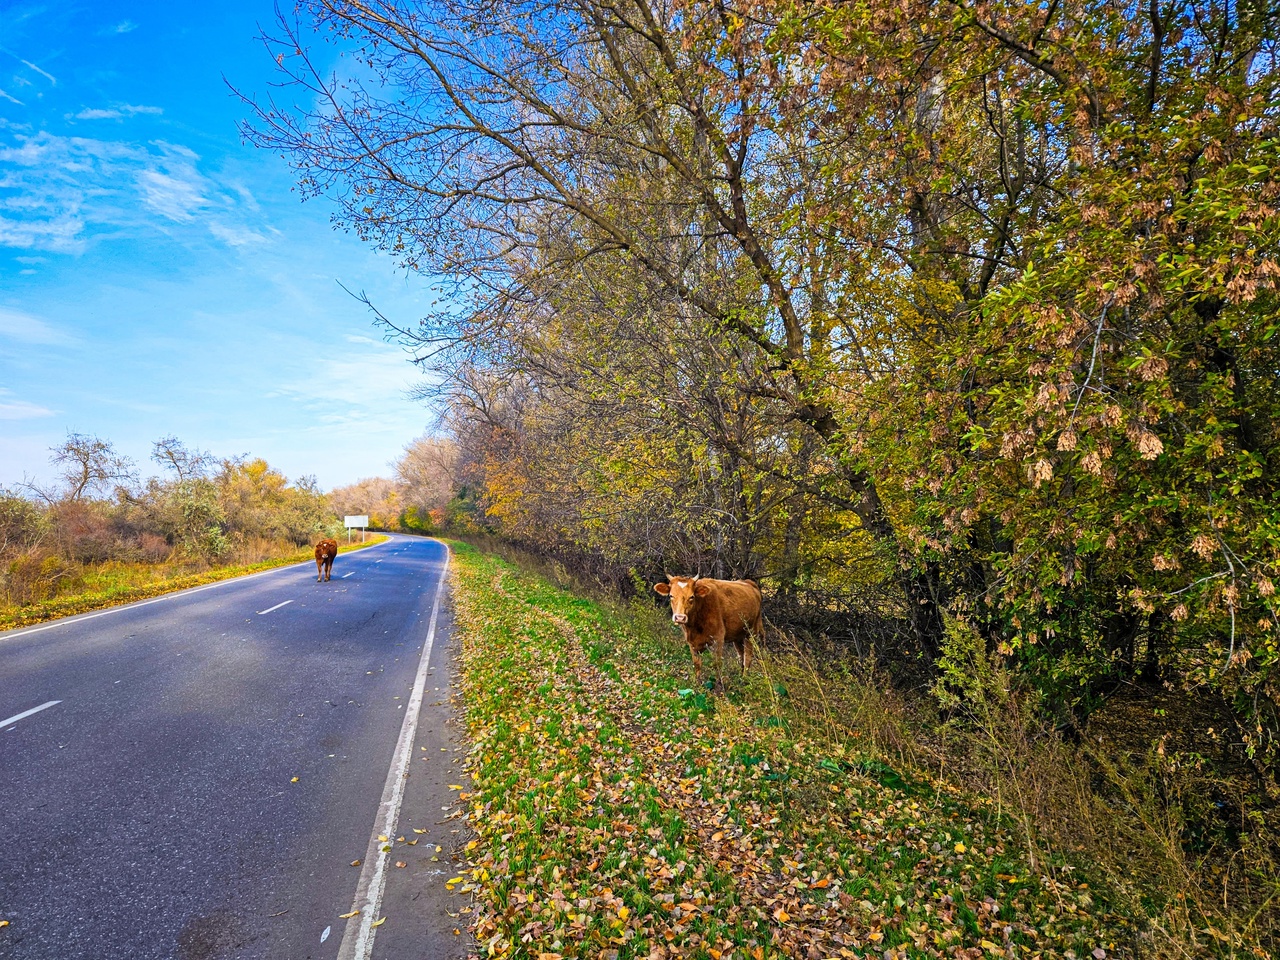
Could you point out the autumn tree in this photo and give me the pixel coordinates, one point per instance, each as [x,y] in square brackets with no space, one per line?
[89,465]
[426,472]
[977,295]
[514,143]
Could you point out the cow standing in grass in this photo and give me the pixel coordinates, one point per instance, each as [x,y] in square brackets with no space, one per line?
[711,612]
[326,550]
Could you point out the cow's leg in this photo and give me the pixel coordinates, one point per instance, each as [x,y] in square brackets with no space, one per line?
[319,569]
[328,567]
[697,665]
[757,633]
[718,640]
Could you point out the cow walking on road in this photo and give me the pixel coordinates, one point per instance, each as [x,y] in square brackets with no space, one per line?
[713,612]
[326,550]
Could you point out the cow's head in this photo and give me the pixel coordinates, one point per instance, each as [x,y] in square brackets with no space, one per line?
[684,593]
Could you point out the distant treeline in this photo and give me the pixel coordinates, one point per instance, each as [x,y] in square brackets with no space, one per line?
[202,511]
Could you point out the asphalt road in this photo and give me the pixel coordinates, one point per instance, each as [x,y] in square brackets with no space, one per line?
[207,765]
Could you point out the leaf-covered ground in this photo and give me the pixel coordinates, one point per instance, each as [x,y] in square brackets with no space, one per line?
[621,814]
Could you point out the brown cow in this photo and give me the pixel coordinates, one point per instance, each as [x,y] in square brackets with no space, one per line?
[711,612]
[326,550]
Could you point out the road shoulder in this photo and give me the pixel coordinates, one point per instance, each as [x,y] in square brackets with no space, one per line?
[425,917]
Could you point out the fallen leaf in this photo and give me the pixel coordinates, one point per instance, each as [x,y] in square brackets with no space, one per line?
[378,923]
[401,864]
[416,830]
[347,916]
[355,863]
[294,780]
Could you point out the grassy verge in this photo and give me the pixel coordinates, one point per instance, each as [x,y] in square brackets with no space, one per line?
[117,583]
[622,814]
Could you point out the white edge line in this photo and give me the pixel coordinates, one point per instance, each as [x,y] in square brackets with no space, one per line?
[26,713]
[345,575]
[63,621]
[357,941]
[276,607]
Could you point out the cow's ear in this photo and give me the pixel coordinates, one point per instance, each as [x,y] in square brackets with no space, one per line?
[701,589]
[663,588]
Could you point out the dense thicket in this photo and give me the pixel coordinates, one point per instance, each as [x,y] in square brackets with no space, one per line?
[917,310]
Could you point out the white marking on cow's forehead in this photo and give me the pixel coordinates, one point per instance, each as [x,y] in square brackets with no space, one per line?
[682,583]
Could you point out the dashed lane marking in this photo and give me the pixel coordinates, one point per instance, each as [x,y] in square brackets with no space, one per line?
[26,713]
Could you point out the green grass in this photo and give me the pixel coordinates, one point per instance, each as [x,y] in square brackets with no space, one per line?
[621,813]
[114,583]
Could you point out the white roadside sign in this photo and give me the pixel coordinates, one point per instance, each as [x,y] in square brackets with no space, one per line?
[360,521]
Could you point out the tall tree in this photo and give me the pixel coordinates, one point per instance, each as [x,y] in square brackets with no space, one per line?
[90,465]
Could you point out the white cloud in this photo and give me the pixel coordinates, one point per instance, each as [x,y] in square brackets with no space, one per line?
[22,327]
[117,112]
[22,410]
[60,193]
[11,99]
[360,384]
[235,236]
[176,196]
[124,26]
[58,234]
[44,73]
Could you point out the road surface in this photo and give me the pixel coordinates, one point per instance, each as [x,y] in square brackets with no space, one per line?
[191,777]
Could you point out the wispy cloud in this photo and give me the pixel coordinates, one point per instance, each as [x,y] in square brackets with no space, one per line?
[124,26]
[176,196]
[22,410]
[11,99]
[60,233]
[366,379]
[236,236]
[44,73]
[60,193]
[117,112]
[22,327]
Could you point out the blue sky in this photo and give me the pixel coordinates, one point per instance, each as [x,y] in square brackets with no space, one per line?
[158,277]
